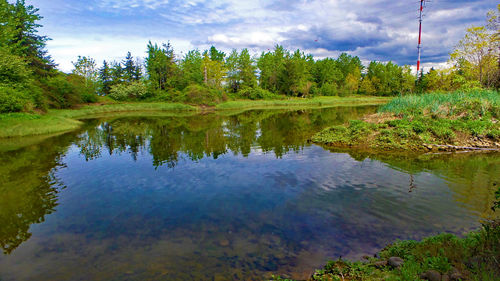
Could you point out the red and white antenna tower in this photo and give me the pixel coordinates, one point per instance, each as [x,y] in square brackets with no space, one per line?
[420,34]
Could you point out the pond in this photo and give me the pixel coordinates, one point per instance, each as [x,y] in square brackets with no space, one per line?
[221,196]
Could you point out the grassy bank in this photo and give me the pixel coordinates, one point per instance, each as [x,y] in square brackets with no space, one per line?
[424,122]
[54,121]
[442,257]
[299,102]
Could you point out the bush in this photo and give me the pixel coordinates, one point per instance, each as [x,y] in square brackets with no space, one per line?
[256,94]
[132,91]
[172,95]
[87,91]
[328,89]
[197,94]
[12,100]
[61,92]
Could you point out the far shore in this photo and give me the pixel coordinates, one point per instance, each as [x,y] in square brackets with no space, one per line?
[62,120]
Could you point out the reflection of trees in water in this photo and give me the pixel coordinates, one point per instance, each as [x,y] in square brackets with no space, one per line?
[29,189]
[471,176]
[212,135]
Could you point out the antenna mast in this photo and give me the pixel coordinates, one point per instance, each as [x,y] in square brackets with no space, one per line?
[420,35]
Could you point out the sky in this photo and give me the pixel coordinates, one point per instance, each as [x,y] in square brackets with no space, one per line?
[382,30]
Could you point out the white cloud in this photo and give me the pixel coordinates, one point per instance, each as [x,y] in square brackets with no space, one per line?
[64,50]
[374,30]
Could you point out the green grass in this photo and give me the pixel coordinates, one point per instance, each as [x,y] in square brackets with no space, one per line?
[301,102]
[55,121]
[475,257]
[31,124]
[413,122]
[448,104]
[91,110]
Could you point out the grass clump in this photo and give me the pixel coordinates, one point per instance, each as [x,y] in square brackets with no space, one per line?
[474,257]
[476,104]
[413,122]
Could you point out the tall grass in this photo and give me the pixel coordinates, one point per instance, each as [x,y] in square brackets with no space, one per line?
[434,102]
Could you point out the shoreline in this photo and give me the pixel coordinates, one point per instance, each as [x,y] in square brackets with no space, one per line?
[438,257]
[429,123]
[64,120]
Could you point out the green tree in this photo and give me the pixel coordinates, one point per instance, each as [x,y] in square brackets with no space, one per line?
[105,78]
[296,78]
[21,36]
[247,69]
[216,55]
[213,71]
[233,74]
[191,67]
[327,71]
[117,73]
[476,55]
[271,66]
[129,68]
[161,66]
[87,68]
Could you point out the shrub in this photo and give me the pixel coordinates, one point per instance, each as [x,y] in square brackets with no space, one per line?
[125,91]
[329,89]
[256,94]
[86,90]
[172,95]
[12,100]
[197,94]
[61,92]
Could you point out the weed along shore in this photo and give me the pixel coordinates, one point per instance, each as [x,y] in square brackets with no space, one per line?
[55,121]
[437,258]
[459,121]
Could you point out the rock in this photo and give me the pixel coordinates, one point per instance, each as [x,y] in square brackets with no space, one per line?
[395,262]
[380,264]
[431,275]
[445,277]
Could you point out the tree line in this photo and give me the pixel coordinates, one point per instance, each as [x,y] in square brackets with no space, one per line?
[29,79]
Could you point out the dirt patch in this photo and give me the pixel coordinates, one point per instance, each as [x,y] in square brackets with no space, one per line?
[379,118]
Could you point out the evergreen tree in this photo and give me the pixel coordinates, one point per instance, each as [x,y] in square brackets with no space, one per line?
[19,35]
[129,68]
[233,75]
[105,78]
[161,66]
[247,69]
[137,73]
[191,67]
[272,65]
[117,73]
[216,55]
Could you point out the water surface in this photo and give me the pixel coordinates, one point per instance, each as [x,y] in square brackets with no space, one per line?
[233,196]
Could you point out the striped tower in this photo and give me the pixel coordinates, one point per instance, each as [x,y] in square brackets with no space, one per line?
[420,35]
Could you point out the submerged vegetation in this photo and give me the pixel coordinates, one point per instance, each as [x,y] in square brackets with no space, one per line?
[418,122]
[441,257]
